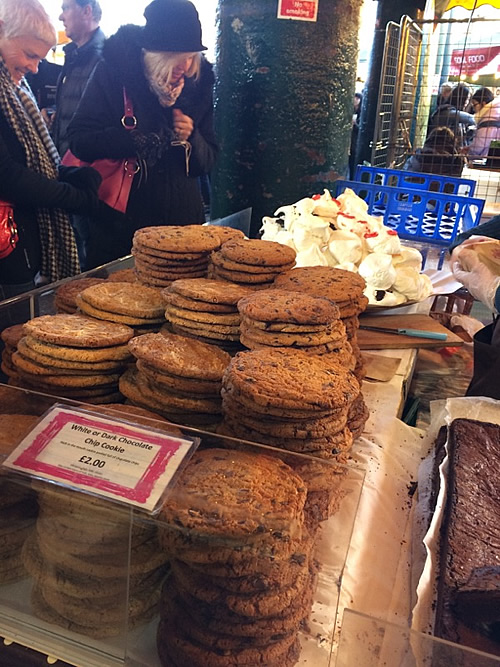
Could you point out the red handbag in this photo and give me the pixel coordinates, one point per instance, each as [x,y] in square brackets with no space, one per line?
[8,230]
[117,175]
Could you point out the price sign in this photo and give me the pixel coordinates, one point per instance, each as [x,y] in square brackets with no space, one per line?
[102,455]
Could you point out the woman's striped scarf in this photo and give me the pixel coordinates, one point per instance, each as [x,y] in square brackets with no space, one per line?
[59,254]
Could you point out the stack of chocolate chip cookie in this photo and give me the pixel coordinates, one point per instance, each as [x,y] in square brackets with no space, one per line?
[281,318]
[251,262]
[18,507]
[289,399]
[344,288]
[177,377]
[205,309]
[243,576]
[79,559]
[165,254]
[65,298]
[10,337]
[73,356]
[135,305]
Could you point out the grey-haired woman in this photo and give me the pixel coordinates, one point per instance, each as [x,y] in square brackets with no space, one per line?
[169,84]
[30,178]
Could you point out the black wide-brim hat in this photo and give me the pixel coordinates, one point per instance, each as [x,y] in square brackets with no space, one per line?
[172,25]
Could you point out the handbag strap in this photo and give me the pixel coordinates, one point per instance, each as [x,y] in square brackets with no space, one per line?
[129,121]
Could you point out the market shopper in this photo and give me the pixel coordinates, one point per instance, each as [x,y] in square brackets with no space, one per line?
[483,282]
[169,84]
[81,20]
[30,180]
[440,154]
[487,117]
[81,23]
[451,114]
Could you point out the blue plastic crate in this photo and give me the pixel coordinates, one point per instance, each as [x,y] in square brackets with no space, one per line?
[432,217]
[415,180]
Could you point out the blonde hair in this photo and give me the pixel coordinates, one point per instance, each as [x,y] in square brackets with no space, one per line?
[159,65]
[26,18]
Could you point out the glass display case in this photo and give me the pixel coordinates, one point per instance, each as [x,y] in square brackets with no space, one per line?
[40,301]
[371,642]
[92,582]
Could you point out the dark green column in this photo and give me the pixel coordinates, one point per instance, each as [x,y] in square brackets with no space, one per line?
[284,103]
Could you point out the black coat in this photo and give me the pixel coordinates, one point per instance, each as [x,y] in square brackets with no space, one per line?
[28,191]
[162,194]
[79,63]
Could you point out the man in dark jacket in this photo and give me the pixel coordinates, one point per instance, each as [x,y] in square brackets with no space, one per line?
[81,23]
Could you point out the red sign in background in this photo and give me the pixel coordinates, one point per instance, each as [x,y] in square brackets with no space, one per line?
[469,61]
[301,10]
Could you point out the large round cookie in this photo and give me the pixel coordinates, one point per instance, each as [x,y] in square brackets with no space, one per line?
[125,299]
[188,239]
[257,495]
[282,377]
[335,284]
[286,306]
[77,331]
[182,356]
[210,291]
[258,252]
[79,354]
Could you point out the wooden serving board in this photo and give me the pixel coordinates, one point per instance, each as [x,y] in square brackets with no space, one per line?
[377,340]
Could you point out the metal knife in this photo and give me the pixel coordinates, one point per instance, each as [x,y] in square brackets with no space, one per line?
[418,333]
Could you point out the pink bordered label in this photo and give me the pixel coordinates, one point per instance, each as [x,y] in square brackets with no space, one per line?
[102,455]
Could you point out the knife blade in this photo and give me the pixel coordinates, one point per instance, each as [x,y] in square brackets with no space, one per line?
[418,333]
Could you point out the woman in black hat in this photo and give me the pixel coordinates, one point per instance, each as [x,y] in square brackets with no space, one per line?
[169,84]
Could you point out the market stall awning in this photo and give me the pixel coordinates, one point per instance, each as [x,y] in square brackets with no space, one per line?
[471,4]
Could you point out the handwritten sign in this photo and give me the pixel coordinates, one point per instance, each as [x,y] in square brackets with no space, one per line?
[102,455]
[300,10]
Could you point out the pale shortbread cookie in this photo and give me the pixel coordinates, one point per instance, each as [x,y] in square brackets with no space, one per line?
[108,316]
[180,356]
[32,367]
[90,355]
[65,295]
[51,361]
[77,331]
[125,299]
[208,318]
[210,291]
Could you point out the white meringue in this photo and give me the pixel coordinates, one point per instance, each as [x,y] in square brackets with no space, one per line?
[386,298]
[408,257]
[377,270]
[384,240]
[345,246]
[311,257]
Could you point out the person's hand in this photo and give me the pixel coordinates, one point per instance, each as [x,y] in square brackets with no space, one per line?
[478,278]
[149,147]
[183,125]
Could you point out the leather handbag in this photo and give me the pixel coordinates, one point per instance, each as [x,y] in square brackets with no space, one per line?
[8,229]
[117,175]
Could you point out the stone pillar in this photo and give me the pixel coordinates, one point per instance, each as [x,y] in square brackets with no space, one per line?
[283,104]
